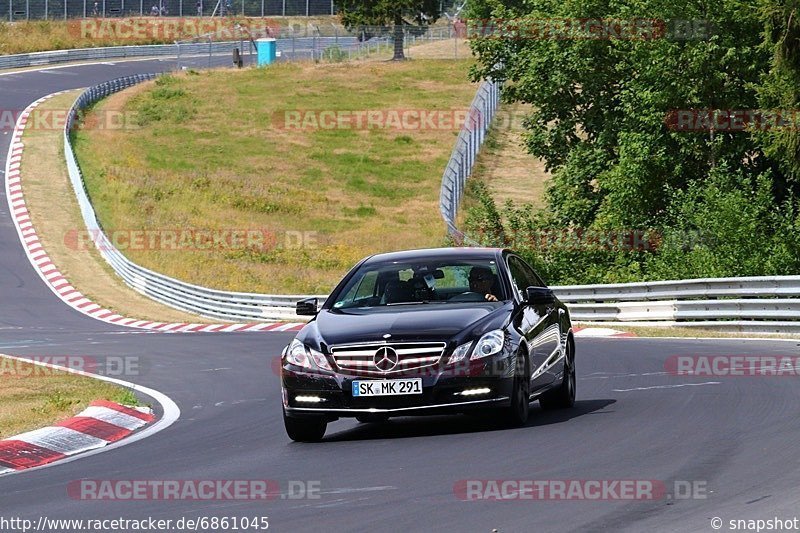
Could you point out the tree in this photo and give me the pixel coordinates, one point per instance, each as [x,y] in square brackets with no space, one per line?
[781,89]
[603,122]
[356,14]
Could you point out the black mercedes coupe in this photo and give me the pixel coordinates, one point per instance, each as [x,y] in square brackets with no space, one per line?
[444,330]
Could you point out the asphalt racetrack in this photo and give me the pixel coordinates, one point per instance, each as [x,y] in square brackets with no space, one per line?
[734,439]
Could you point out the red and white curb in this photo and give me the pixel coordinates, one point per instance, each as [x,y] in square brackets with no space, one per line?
[600,332]
[114,426]
[56,281]
[96,427]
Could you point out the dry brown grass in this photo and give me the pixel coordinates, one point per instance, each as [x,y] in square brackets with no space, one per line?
[223,164]
[40,35]
[32,396]
[504,164]
[55,215]
[446,49]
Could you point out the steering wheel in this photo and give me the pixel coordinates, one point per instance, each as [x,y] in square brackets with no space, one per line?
[468,296]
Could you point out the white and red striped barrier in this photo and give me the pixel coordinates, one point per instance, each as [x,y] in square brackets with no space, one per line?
[97,426]
[56,280]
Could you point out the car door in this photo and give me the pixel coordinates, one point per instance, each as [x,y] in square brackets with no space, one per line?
[553,335]
[536,323]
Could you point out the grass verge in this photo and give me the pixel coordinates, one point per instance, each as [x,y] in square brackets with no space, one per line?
[56,216]
[217,151]
[32,396]
[504,166]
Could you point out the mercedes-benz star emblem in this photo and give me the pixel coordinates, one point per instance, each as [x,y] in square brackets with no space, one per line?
[385,358]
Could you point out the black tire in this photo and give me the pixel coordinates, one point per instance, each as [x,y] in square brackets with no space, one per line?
[305,429]
[563,396]
[516,414]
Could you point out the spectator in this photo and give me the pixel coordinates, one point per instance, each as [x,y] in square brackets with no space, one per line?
[154,10]
[199,8]
[96,9]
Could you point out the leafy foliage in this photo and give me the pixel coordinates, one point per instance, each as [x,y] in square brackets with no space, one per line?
[356,14]
[721,202]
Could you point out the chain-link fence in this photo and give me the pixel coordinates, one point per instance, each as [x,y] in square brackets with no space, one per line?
[216,49]
[327,43]
[12,10]
[469,142]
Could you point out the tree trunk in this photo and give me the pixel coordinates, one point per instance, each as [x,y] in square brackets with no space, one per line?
[399,55]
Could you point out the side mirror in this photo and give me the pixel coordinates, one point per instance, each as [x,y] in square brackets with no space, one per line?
[539,295]
[307,307]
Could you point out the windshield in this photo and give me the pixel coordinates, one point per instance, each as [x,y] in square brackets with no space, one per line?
[428,282]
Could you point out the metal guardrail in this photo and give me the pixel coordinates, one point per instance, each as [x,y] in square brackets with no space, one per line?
[757,304]
[462,160]
[292,48]
[211,303]
[754,304]
[175,293]
[36,59]
[765,304]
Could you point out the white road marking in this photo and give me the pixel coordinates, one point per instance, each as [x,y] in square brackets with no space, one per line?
[610,375]
[669,386]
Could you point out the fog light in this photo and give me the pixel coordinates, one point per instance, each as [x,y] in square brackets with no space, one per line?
[309,399]
[475,392]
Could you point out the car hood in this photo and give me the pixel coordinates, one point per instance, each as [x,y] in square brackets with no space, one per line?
[417,323]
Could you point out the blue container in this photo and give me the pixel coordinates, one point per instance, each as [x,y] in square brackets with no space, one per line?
[267,51]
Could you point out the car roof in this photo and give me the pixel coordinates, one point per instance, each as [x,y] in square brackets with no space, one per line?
[436,253]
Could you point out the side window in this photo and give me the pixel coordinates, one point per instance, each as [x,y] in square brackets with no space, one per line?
[519,279]
[533,279]
[366,289]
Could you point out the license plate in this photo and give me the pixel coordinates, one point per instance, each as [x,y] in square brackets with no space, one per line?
[389,387]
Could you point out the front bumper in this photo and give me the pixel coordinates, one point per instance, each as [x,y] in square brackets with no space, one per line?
[442,390]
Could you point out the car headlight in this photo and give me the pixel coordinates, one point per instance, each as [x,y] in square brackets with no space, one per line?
[301,355]
[460,353]
[489,344]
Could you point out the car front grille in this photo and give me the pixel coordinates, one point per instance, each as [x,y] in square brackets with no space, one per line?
[377,358]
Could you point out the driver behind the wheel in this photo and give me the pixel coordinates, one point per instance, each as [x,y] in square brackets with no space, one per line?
[481,281]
